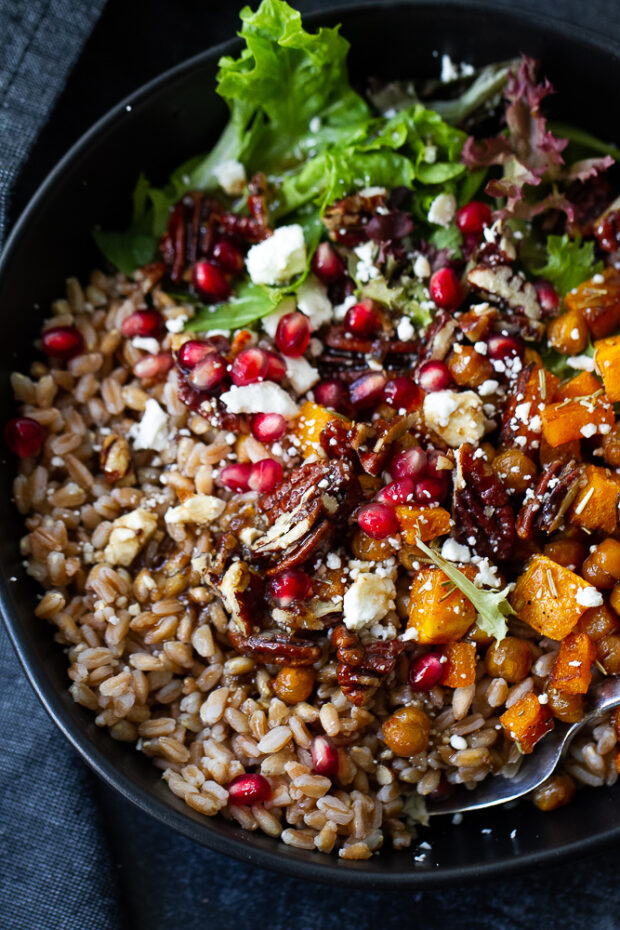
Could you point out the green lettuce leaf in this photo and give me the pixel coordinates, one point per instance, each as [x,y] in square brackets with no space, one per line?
[251,303]
[569,263]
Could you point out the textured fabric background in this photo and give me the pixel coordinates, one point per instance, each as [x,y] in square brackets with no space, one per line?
[72,855]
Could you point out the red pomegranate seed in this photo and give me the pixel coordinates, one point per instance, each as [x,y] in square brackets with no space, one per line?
[276,368]
[324,756]
[63,342]
[362,320]
[250,788]
[378,520]
[24,436]
[327,264]
[331,394]
[208,372]
[401,393]
[409,464]
[250,365]
[236,477]
[367,391]
[425,672]
[398,492]
[210,282]
[429,491]
[548,297]
[192,352]
[267,427]
[434,376]
[500,347]
[153,366]
[473,217]
[289,586]
[265,476]
[228,256]
[446,289]
[143,323]
[293,334]
[433,469]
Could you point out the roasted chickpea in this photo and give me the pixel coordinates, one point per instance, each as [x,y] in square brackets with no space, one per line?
[614,598]
[611,446]
[567,552]
[406,732]
[555,792]
[598,622]
[602,566]
[366,548]
[608,653]
[563,453]
[468,367]
[515,470]
[564,706]
[294,684]
[568,333]
[510,659]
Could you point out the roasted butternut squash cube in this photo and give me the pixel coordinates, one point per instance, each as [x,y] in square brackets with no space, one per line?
[596,505]
[572,671]
[459,668]
[312,420]
[425,522]
[598,301]
[437,613]
[552,598]
[521,418]
[526,722]
[607,359]
[572,419]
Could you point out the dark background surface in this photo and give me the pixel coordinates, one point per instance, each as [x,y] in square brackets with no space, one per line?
[162,881]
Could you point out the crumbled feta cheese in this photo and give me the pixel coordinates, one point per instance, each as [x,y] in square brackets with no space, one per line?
[487,575]
[588,430]
[279,258]
[130,533]
[405,330]
[442,210]
[481,348]
[230,175]
[449,70]
[366,268]
[199,508]
[367,600]
[430,154]
[146,343]
[458,742]
[488,387]
[301,374]
[263,397]
[176,324]
[589,597]
[454,551]
[333,560]
[422,267]
[596,279]
[580,362]
[313,301]
[340,310]
[458,417]
[152,430]
[270,322]
[522,412]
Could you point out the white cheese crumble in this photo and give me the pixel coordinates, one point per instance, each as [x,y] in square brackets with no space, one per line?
[146,343]
[366,268]
[301,374]
[442,210]
[230,175]
[580,362]
[279,258]
[488,387]
[367,601]
[588,430]
[455,552]
[405,329]
[263,397]
[313,302]
[458,417]
[589,597]
[151,432]
[176,324]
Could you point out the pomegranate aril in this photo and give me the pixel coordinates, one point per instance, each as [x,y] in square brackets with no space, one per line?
[436,467]
[250,366]
[367,391]
[276,368]
[401,393]
[208,372]
[265,476]
[548,297]
[250,788]
[324,756]
[63,342]
[143,323]
[501,347]
[425,672]
[446,289]
[434,376]
[473,217]
[153,366]
[210,282]
[193,351]
[289,586]
[268,427]
[378,520]
[228,256]
[362,320]
[429,491]
[293,334]
[398,492]
[327,264]
[411,463]
[236,477]
[24,436]
[331,394]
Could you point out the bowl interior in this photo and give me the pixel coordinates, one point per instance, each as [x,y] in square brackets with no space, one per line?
[164,123]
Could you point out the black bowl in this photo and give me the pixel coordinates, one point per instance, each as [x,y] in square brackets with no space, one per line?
[166,121]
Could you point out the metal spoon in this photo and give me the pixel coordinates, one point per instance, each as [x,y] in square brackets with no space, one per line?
[536,768]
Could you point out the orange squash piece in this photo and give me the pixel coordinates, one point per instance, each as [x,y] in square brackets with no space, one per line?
[598,302]
[312,420]
[547,596]
[607,360]
[582,385]
[535,386]
[459,668]
[596,505]
[527,721]
[430,521]
[572,671]
[437,613]
[572,419]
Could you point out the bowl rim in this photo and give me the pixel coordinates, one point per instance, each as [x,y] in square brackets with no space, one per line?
[330,871]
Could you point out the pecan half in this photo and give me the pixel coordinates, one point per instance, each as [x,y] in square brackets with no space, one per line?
[241,591]
[346,219]
[507,286]
[361,668]
[439,337]
[555,490]
[115,458]
[481,507]
[275,648]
